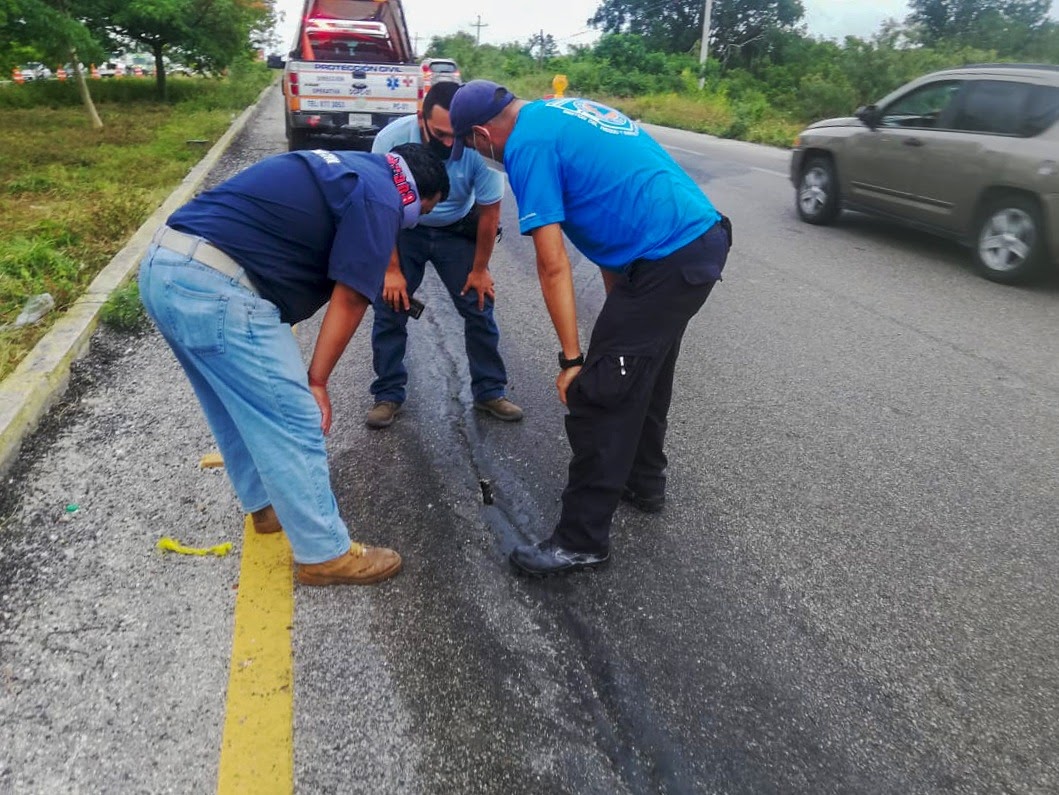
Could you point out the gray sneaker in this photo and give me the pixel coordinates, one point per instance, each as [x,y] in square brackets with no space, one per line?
[382,414]
[501,408]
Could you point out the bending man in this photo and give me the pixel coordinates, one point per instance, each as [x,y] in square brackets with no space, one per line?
[225,279]
[582,168]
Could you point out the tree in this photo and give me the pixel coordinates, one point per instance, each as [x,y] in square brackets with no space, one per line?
[975,21]
[55,36]
[209,34]
[738,28]
[544,45]
[666,27]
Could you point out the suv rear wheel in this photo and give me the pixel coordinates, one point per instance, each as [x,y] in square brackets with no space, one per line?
[1009,242]
[818,191]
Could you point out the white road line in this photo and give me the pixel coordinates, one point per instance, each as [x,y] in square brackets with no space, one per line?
[703,154]
[770,171]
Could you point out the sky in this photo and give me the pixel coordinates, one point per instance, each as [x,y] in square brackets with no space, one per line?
[566,19]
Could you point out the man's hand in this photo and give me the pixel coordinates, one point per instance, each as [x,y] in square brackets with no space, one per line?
[566,377]
[395,291]
[324,402]
[482,283]
[344,312]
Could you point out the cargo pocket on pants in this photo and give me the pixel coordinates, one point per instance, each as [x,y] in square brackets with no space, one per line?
[607,381]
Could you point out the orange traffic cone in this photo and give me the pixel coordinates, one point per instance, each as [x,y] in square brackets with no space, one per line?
[16,75]
[60,73]
[94,71]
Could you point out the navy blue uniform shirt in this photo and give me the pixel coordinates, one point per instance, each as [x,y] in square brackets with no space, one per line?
[299,222]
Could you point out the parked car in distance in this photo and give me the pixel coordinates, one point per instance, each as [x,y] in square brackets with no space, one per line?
[35,71]
[439,70]
[970,153]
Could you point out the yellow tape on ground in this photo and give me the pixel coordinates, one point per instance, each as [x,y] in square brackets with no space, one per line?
[257,749]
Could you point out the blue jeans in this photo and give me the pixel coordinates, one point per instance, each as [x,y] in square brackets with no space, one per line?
[452,256]
[247,372]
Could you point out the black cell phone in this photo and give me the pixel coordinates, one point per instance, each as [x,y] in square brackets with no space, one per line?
[415,307]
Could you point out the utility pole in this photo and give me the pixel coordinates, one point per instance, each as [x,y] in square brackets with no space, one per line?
[704,53]
[415,45]
[478,33]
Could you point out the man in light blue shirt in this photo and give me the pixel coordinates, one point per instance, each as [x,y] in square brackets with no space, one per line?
[458,238]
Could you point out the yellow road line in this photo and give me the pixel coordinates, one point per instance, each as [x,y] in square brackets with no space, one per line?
[257,749]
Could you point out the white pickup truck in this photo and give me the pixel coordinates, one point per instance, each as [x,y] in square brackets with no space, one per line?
[350,72]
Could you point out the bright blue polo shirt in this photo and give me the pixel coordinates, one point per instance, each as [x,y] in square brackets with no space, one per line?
[617,194]
[301,221]
[471,180]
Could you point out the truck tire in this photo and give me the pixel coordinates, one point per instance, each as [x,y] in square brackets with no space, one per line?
[297,139]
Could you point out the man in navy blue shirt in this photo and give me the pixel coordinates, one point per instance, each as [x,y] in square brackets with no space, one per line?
[225,279]
[584,169]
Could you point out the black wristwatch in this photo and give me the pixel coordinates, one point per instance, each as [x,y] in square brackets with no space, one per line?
[566,364]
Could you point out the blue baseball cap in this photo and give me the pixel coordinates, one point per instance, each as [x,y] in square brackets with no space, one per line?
[475,103]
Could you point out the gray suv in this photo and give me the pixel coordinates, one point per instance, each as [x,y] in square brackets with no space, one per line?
[969,153]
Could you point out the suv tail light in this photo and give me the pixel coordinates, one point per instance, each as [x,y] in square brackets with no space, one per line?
[293,83]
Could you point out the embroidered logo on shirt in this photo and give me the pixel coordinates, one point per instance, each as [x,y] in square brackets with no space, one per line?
[328,157]
[408,195]
[600,116]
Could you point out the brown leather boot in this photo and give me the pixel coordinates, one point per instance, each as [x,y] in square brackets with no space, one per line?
[266,521]
[360,566]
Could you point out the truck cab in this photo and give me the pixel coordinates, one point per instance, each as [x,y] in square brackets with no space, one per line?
[350,72]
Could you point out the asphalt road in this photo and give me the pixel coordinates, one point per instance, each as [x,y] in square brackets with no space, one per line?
[851,589]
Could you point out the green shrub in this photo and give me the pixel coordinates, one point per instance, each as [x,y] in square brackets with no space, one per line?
[123,310]
[820,97]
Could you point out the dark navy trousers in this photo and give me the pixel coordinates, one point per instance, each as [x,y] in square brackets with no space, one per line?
[619,402]
[452,256]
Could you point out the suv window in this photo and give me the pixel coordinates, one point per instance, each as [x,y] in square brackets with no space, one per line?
[443,67]
[994,106]
[1042,111]
[923,108]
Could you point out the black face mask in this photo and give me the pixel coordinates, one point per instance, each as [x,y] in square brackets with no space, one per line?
[436,146]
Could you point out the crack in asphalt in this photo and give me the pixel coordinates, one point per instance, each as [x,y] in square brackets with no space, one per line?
[623,728]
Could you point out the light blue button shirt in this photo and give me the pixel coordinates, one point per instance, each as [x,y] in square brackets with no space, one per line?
[471,180]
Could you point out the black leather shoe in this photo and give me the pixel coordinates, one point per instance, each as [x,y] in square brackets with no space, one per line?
[547,557]
[648,503]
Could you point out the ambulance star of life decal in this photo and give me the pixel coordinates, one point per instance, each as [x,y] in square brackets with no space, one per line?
[606,119]
[392,83]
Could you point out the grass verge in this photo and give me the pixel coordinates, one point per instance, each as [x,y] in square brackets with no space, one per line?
[71,196]
[747,118]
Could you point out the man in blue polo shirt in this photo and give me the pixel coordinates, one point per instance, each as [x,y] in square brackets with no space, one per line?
[458,238]
[584,169]
[224,280]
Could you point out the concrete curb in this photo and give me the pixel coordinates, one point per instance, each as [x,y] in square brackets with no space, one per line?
[42,377]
